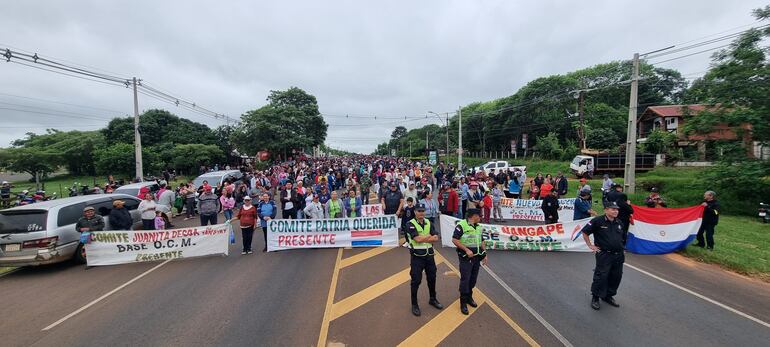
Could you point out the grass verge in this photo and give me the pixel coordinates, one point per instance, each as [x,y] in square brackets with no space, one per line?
[4,270]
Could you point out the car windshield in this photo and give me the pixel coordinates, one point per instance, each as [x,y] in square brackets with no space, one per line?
[22,221]
[213,180]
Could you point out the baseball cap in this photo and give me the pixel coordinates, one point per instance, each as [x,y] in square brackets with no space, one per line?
[247,197]
[611,204]
[89,208]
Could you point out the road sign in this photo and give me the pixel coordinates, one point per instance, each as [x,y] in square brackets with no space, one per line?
[513,146]
[524,141]
[432,157]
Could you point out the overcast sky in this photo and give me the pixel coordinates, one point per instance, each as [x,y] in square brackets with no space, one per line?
[390,58]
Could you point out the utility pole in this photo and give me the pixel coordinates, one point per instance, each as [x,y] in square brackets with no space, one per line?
[582,120]
[137,137]
[447,138]
[630,169]
[426,141]
[460,139]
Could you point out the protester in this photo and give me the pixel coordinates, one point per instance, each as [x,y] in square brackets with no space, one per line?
[710,220]
[533,190]
[497,197]
[266,211]
[475,196]
[5,194]
[314,209]
[334,207]
[208,207]
[607,185]
[449,200]
[159,221]
[410,192]
[545,188]
[608,247]
[288,198]
[514,188]
[550,207]
[189,194]
[228,203]
[584,186]
[464,194]
[90,221]
[352,204]
[366,185]
[583,206]
[561,185]
[120,218]
[248,216]
[431,210]
[486,207]
[165,202]
[147,208]
[654,200]
[392,200]
[407,213]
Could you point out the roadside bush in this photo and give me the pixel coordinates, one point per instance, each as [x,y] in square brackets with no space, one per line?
[548,146]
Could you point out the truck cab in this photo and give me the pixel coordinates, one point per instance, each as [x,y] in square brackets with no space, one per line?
[579,164]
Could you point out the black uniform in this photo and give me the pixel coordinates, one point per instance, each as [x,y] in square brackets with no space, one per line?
[608,236]
[421,259]
[710,220]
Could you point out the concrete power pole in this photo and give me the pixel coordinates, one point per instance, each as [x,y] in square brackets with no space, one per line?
[447,138]
[582,120]
[137,137]
[630,169]
[460,139]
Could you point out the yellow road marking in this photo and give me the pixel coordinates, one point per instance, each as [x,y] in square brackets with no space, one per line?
[356,300]
[519,330]
[435,331]
[329,299]
[363,256]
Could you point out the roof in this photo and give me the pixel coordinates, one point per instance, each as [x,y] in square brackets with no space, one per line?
[137,185]
[47,205]
[218,173]
[676,110]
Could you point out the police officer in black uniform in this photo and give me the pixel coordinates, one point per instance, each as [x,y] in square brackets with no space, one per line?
[472,253]
[608,247]
[420,233]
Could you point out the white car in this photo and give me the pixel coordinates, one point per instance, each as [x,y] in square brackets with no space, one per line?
[499,165]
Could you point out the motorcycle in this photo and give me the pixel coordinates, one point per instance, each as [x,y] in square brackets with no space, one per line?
[764,212]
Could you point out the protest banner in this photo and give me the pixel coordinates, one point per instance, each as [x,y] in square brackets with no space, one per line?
[531,209]
[372,210]
[377,231]
[566,236]
[121,247]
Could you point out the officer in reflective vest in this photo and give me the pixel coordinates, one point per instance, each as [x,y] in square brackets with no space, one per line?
[472,253]
[420,233]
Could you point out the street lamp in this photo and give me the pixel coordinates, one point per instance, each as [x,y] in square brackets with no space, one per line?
[446,124]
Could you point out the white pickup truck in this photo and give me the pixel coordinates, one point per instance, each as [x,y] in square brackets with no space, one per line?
[498,165]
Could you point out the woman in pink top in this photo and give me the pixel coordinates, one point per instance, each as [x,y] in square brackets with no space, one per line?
[228,203]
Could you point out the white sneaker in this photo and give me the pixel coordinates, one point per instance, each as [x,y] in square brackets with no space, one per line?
[405,245]
[243,253]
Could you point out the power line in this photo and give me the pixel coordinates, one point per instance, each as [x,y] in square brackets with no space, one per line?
[60,102]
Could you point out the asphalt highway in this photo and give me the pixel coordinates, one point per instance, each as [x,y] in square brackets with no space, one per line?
[360,297]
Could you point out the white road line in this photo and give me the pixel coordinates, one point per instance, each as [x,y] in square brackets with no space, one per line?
[744,315]
[531,310]
[54,324]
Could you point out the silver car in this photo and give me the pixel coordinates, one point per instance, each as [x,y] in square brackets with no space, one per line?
[44,232]
[134,188]
[215,178]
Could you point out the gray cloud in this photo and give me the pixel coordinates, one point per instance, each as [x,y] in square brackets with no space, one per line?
[389,58]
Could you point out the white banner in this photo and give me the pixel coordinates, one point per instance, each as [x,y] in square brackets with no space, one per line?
[372,210]
[545,238]
[121,247]
[531,209]
[379,231]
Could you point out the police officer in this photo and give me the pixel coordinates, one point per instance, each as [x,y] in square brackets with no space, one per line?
[472,253]
[420,233]
[608,247]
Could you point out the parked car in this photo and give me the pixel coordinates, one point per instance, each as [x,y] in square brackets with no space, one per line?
[133,188]
[44,232]
[498,165]
[215,178]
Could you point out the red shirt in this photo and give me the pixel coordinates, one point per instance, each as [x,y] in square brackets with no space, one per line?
[545,189]
[248,217]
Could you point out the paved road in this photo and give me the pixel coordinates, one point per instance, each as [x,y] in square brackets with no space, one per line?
[281,299]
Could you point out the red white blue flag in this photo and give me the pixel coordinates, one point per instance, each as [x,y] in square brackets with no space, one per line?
[662,230]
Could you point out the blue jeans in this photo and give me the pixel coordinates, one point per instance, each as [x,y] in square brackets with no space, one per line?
[228,214]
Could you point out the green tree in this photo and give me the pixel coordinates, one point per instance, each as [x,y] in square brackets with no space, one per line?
[290,120]
[119,159]
[548,146]
[660,142]
[189,157]
[156,127]
[74,148]
[31,160]
[601,138]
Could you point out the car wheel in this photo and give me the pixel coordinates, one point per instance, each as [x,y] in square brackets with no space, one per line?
[80,254]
